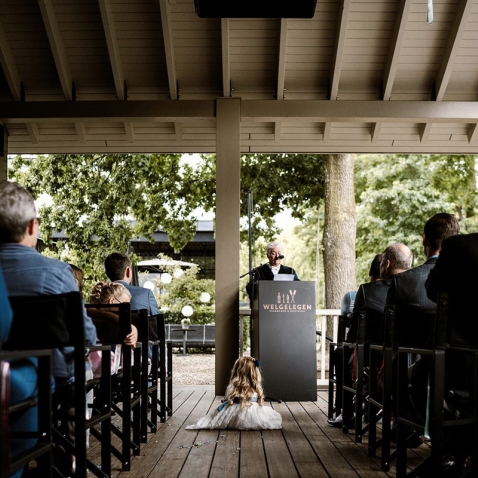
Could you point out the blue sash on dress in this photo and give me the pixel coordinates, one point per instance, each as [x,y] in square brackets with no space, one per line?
[236,400]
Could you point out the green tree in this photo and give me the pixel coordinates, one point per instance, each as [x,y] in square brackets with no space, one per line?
[96,197]
[396,194]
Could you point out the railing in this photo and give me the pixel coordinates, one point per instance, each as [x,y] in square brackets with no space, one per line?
[321,326]
[321,320]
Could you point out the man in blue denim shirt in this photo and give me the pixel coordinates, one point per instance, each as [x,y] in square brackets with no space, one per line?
[26,271]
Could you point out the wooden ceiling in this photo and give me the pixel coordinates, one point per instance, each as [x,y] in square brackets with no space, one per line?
[83,76]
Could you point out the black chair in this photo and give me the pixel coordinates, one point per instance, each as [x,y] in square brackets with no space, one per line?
[436,421]
[342,325]
[149,383]
[164,369]
[56,322]
[403,326]
[368,332]
[126,384]
[41,449]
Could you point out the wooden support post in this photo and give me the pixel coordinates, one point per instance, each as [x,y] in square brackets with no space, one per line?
[228,157]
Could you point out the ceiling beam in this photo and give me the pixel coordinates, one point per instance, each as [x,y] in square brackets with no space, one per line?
[339,49]
[113,47]
[395,48]
[97,111]
[320,111]
[360,111]
[226,58]
[9,67]
[168,48]
[281,68]
[453,45]
[57,47]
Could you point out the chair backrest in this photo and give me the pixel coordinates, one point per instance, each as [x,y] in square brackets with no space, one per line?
[46,321]
[408,326]
[369,326]
[108,330]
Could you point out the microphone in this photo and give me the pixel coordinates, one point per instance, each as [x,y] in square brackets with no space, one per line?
[281,257]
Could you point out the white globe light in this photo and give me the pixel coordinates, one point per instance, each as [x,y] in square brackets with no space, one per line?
[178,273]
[166,278]
[187,311]
[205,297]
[149,285]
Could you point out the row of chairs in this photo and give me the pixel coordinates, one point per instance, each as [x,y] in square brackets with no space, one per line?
[139,393]
[381,385]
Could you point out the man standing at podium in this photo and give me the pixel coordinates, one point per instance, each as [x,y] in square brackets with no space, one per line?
[273,267]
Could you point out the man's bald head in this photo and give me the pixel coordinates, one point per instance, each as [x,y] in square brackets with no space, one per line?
[396,258]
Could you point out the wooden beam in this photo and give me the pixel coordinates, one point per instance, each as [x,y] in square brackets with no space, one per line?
[395,48]
[32,129]
[339,48]
[168,48]
[9,67]
[473,134]
[277,131]
[178,131]
[226,58]
[57,47]
[228,162]
[359,111]
[282,56]
[113,47]
[424,132]
[319,111]
[81,132]
[453,45]
[327,128]
[376,132]
[98,111]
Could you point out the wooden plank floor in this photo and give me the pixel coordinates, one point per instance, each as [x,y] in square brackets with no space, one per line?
[305,447]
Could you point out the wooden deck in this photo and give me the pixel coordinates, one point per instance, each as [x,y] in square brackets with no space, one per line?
[305,447]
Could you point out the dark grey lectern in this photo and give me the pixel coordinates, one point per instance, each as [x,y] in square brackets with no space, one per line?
[284,339]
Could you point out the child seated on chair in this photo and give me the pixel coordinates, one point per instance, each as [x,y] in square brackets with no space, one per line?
[242,407]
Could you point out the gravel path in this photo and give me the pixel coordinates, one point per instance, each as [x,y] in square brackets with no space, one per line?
[195,369]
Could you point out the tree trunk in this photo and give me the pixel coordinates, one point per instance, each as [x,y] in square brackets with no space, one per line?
[339,229]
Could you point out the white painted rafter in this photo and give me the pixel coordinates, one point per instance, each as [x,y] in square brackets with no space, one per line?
[282,60]
[451,50]
[339,49]
[395,48]
[113,47]
[57,47]
[9,67]
[168,48]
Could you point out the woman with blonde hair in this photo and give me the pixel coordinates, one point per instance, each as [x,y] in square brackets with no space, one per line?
[243,405]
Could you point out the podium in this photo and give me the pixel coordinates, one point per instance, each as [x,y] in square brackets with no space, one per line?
[284,339]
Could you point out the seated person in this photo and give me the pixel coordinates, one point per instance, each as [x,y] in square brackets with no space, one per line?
[112,293]
[269,270]
[23,385]
[370,297]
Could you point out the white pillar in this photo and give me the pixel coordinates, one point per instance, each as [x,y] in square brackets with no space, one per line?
[228,156]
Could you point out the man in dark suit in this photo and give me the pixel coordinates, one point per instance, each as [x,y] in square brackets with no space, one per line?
[118,269]
[455,273]
[408,289]
[371,298]
[273,267]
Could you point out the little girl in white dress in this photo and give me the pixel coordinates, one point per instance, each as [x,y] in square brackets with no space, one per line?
[242,407]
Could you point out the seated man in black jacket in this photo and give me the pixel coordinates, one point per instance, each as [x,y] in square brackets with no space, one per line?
[371,297]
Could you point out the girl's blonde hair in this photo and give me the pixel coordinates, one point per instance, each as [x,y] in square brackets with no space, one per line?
[246,379]
[102,292]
